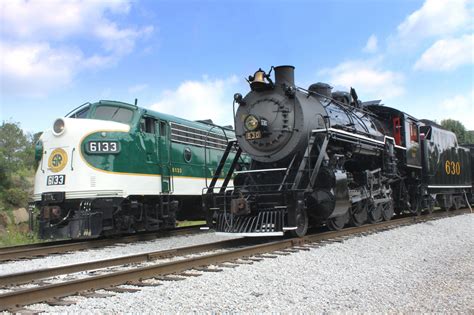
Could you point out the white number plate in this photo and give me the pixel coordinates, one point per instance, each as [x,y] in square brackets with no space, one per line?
[56,180]
[103,147]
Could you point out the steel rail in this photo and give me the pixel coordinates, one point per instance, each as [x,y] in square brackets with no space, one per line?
[42,249]
[23,297]
[14,279]
[35,245]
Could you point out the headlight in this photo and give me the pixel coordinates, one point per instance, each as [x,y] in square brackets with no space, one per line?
[58,127]
[251,122]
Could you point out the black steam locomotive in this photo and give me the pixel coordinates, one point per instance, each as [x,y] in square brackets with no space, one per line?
[326,158]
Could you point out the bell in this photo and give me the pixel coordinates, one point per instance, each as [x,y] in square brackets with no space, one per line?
[258,81]
[259,76]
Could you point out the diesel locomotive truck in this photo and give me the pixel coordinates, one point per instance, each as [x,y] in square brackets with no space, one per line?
[112,167]
[325,158]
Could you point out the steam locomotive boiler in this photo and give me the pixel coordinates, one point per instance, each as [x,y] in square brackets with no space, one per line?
[317,158]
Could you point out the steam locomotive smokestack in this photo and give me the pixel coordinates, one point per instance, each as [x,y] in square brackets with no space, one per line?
[285,75]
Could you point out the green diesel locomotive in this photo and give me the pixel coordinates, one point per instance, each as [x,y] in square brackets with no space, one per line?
[112,167]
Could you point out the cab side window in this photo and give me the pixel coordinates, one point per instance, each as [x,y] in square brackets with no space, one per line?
[413,132]
[163,128]
[147,125]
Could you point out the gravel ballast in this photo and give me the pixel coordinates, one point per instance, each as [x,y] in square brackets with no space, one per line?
[117,250]
[426,267]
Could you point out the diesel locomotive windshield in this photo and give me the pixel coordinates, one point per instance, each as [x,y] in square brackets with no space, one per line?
[113,113]
[104,112]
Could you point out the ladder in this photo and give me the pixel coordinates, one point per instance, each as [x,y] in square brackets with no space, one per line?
[314,148]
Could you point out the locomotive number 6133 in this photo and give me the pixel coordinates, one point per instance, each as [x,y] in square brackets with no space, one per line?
[102,147]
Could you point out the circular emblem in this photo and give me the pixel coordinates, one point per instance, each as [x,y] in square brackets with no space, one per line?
[57,160]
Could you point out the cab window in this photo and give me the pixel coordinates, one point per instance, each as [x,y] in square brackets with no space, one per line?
[81,113]
[113,113]
[163,128]
[413,132]
[147,124]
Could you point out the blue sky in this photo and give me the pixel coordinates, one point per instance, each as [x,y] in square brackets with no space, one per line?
[188,58]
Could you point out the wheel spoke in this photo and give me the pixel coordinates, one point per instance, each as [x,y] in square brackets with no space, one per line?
[358,214]
[375,213]
[388,211]
[337,223]
[301,223]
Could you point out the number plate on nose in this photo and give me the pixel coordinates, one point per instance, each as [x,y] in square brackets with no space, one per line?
[98,147]
[53,180]
[251,135]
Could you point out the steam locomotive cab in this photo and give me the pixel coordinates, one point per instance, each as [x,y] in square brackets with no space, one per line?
[409,192]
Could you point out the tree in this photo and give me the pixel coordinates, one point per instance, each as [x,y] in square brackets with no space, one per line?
[470,137]
[13,143]
[16,164]
[464,136]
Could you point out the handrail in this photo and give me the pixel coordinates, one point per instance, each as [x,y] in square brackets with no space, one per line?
[205,148]
[262,170]
[72,158]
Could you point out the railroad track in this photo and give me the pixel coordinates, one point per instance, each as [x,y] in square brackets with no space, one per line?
[63,246]
[233,253]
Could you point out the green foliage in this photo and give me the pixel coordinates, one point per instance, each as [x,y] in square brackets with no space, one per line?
[17,235]
[469,137]
[16,165]
[13,146]
[464,136]
[16,197]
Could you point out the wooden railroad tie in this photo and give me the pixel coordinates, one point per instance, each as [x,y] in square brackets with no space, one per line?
[60,302]
[121,290]
[141,284]
[95,295]
[169,278]
[204,269]
[189,274]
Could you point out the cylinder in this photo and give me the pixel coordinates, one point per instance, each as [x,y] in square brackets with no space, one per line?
[285,75]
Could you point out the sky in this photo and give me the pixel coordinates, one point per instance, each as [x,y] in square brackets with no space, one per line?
[188,58]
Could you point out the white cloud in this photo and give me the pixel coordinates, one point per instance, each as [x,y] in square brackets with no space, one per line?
[372,45]
[459,107]
[447,54]
[366,76]
[35,68]
[36,47]
[435,18]
[57,19]
[205,99]
[120,41]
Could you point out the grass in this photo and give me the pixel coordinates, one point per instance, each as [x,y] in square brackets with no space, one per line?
[14,236]
[190,223]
